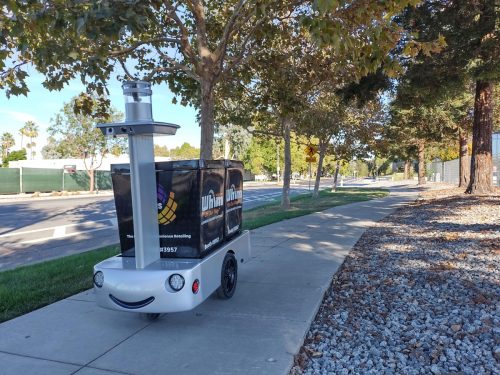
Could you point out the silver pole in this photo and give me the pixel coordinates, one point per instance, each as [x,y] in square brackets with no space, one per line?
[144,204]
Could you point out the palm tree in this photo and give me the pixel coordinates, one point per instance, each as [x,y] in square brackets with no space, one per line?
[6,142]
[22,132]
[30,129]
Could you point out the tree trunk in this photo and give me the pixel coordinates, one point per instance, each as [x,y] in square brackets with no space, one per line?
[285,196]
[92,179]
[421,163]
[407,169]
[207,120]
[227,147]
[464,163]
[481,171]
[322,150]
[336,176]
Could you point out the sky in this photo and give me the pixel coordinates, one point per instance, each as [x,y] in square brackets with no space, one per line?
[41,105]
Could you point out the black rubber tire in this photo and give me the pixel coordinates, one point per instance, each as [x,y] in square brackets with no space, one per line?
[229,277]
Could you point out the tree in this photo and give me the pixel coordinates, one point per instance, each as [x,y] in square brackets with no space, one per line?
[76,135]
[419,126]
[30,130]
[23,132]
[50,150]
[470,29]
[256,155]
[161,151]
[6,143]
[192,45]
[323,120]
[231,142]
[461,109]
[185,151]
[14,156]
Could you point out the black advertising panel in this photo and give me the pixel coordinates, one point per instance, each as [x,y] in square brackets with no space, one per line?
[191,207]
[177,212]
[212,209]
[120,178]
[234,198]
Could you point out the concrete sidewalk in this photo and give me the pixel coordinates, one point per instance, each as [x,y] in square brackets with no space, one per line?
[257,332]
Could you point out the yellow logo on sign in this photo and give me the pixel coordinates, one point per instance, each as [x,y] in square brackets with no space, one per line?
[167,214]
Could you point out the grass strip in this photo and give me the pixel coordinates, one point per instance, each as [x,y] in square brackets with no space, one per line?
[31,287]
[28,288]
[306,204]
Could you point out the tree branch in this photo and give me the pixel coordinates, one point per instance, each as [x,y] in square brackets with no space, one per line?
[177,66]
[242,49]
[136,45]
[122,63]
[228,30]
[185,46]
[263,132]
[196,7]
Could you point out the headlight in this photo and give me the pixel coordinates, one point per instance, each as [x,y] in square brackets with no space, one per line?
[98,279]
[176,282]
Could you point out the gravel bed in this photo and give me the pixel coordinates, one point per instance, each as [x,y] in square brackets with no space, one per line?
[418,294]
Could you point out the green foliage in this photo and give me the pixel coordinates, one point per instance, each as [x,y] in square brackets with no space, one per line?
[6,143]
[161,151]
[260,157]
[192,45]
[185,152]
[358,168]
[262,153]
[54,149]
[472,46]
[30,130]
[13,156]
[74,135]
[235,138]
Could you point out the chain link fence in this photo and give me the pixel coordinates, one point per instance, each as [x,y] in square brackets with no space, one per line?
[449,171]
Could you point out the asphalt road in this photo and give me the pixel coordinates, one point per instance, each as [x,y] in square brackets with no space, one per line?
[32,230]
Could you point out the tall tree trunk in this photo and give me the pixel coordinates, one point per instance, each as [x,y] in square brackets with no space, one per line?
[207,120]
[481,171]
[287,170]
[407,169]
[336,176]
[227,147]
[421,162]
[91,174]
[464,163]
[322,150]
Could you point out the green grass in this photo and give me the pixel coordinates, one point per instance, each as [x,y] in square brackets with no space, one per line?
[305,204]
[28,288]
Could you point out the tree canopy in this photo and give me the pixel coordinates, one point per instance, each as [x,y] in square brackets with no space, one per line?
[75,135]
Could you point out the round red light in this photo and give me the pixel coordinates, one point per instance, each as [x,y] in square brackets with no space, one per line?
[196,286]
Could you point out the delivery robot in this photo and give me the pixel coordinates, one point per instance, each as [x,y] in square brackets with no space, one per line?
[179,222]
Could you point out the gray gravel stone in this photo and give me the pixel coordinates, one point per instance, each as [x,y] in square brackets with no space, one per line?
[418,294]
